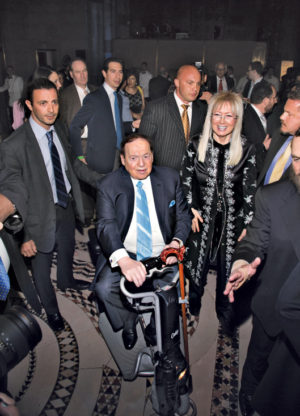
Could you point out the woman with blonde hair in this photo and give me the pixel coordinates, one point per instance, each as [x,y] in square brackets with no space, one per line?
[218,175]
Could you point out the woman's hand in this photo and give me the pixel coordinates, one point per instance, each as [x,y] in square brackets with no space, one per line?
[243,233]
[196,220]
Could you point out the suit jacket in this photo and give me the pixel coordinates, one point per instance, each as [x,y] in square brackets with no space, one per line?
[273,235]
[162,123]
[248,85]
[158,87]
[96,113]
[255,133]
[213,87]
[69,103]
[277,141]
[115,205]
[22,156]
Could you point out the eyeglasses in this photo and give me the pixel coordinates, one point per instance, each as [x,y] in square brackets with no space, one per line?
[227,117]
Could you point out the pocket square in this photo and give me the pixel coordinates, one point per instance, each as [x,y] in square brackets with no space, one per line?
[172,203]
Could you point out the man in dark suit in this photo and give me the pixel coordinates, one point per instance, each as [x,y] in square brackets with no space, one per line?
[220,81]
[255,128]
[272,237]
[159,86]
[70,102]
[255,75]
[39,154]
[278,160]
[101,113]
[162,120]
[119,226]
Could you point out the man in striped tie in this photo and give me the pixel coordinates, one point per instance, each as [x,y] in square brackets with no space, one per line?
[39,155]
[277,163]
[141,210]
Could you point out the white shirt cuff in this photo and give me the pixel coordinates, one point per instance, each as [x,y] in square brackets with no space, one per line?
[116,256]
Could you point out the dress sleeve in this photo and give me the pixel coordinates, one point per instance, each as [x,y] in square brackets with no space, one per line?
[187,172]
[249,185]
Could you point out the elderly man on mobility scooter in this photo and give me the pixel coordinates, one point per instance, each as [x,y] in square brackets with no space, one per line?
[141,211]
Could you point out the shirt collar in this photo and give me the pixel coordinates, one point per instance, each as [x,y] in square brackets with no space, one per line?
[179,101]
[108,88]
[38,130]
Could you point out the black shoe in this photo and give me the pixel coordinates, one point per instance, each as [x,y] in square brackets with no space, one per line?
[245,403]
[76,285]
[56,321]
[129,337]
[150,335]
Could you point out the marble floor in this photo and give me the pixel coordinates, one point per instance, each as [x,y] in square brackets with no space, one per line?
[72,372]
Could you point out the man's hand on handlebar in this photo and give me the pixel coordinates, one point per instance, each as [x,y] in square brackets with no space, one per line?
[172,259]
[134,271]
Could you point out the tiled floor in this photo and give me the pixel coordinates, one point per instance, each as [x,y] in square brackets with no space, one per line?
[72,373]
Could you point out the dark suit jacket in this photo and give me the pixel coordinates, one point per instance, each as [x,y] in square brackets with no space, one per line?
[158,87]
[69,103]
[248,85]
[273,235]
[161,122]
[22,156]
[277,141]
[102,141]
[255,133]
[115,205]
[212,84]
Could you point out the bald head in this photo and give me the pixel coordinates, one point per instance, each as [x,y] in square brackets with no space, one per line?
[187,83]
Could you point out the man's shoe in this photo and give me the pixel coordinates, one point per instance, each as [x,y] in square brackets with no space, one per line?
[80,285]
[56,321]
[245,403]
[129,337]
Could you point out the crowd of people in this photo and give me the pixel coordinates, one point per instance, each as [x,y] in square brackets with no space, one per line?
[155,163]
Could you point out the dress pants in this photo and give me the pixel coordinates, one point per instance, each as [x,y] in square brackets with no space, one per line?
[41,262]
[256,363]
[108,291]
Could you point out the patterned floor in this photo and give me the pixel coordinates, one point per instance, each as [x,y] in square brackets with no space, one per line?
[72,373]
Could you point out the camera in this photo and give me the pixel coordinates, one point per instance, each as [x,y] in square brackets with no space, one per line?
[19,333]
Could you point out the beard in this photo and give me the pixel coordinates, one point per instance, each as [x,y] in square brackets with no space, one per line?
[295,179]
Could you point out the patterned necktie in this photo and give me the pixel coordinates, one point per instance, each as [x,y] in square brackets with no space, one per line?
[61,191]
[144,236]
[220,85]
[4,282]
[185,122]
[280,163]
[118,121]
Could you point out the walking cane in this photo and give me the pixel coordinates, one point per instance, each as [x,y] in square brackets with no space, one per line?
[179,253]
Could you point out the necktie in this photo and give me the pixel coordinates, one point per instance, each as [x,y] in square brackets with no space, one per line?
[118,121]
[4,282]
[185,122]
[62,195]
[280,163]
[144,236]
[220,85]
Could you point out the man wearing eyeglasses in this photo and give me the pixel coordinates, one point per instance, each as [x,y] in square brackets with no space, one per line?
[255,75]
[141,210]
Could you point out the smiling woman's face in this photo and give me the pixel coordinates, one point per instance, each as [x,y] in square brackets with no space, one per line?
[223,121]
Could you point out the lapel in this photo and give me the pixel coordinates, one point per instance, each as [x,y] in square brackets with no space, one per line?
[196,116]
[257,120]
[34,154]
[106,106]
[174,113]
[159,198]
[289,212]
[75,101]
[127,189]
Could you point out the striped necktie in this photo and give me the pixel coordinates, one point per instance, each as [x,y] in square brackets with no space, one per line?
[118,121]
[280,163]
[144,236]
[220,85]
[185,122]
[61,191]
[4,282]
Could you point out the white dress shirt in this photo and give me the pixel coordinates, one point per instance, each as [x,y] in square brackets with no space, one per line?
[130,241]
[179,103]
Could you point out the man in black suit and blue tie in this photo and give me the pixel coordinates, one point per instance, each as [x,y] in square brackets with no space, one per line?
[125,237]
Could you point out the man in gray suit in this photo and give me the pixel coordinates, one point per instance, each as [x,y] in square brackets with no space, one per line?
[163,119]
[39,154]
[70,101]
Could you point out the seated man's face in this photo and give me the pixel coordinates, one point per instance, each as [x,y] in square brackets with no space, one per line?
[138,159]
